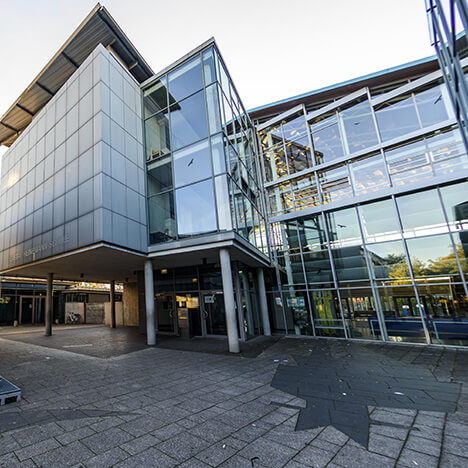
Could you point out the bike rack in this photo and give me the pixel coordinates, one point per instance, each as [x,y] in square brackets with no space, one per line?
[8,392]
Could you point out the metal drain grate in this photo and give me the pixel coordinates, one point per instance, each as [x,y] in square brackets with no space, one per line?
[8,392]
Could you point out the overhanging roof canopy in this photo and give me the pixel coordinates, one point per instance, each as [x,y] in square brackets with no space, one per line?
[98,28]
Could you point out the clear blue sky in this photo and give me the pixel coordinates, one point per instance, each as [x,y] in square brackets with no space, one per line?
[273,48]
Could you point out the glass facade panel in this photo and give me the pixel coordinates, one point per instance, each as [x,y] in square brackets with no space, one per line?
[402,314]
[188,121]
[157,135]
[455,201]
[359,127]
[185,80]
[335,184]
[433,259]
[388,261]
[327,313]
[209,66]
[368,175]
[409,163]
[192,163]
[379,221]
[447,152]
[155,98]
[397,117]
[431,105]
[222,201]
[159,175]
[196,211]
[326,137]
[446,308]
[161,218]
[360,315]
[421,214]
[214,115]
[217,152]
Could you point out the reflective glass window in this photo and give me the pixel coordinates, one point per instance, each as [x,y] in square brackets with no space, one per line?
[185,80]
[397,117]
[223,203]
[368,175]
[379,221]
[305,192]
[335,184]
[461,245]
[192,163]
[421,214]
[209,67]
[388,261]
[326,138]
[431,105]
[155,98]
[188,121]
[326,313]
[448,153]
[275,158]
[359,127]
[343,228]
[196,211]
[161,218]
[217,151]
[409,163]
[433,257]
[214,116]
[159,175]
[157,135]
[455,201]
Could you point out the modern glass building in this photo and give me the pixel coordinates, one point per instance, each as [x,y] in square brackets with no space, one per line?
[340,213]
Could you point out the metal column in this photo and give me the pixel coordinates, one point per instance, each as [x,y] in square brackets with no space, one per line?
[149,300]
[248,303]
[49,305]
[112,304]
[263,302]
[229,303]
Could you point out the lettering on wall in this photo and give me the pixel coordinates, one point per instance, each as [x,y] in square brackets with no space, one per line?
[39,248]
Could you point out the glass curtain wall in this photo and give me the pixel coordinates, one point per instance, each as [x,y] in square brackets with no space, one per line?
[353,152]
[202,164]
[395,267]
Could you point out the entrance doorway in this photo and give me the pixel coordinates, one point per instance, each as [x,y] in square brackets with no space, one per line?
[214,315]
[166,317]
[32,310]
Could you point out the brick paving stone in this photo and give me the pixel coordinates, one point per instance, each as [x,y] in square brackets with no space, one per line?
[420,444]
[36,449]
[216,454]
[453,461]
[148,458]
[77,434]
[107,459]
[139,444]
[183,446]
[351,456]
[412,458]
[314,456]
[106,440]
[455,446]
[269,453]
[67,455]
[386,446]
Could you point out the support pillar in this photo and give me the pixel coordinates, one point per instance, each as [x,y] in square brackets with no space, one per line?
[248,303]
[49,305]
[229,303]
[240,308]
[149,300]
[263,302]
[112,304]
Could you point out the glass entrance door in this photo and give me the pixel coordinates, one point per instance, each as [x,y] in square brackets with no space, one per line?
[26,310]
[165,314]
[39,309]
[214,315]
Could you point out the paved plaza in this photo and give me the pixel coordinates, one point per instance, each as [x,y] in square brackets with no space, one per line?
[164,407]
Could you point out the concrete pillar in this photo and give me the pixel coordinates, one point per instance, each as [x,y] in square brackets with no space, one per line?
[49,305]
[262,300]
[248,303]
[112,304]
[149,300]
[240,308]
[229,304]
